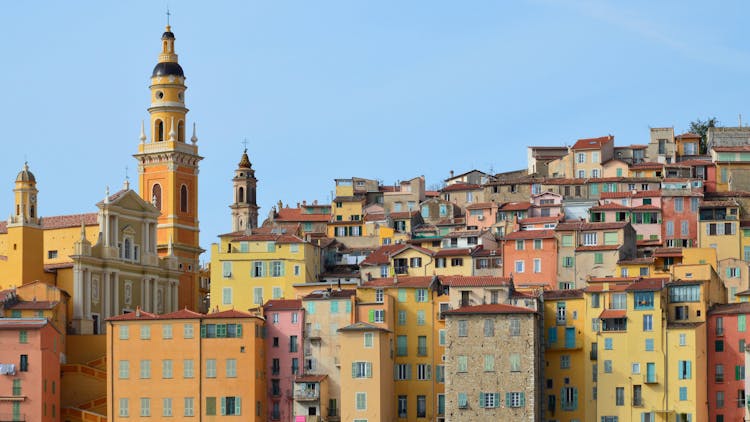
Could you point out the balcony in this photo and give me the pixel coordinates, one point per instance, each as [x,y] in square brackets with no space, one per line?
[401,269]
[593,355]
[307,394]
[650,379]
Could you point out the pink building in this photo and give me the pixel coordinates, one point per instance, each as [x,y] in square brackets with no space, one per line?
[29,370]
[727,335]
[285,323]
[481,215]
[679,208]
[641,208]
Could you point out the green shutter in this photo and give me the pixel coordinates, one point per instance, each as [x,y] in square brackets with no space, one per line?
[354,369]
[481,399]
[371,315]
[237,406]
[507,399]
[203,331]
[401,295]
[575,398]
[728,271]
[368,370]
[741,324]
[523,399]
[223,405]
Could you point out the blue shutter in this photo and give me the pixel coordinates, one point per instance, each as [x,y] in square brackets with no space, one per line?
[689,370]
[575,398]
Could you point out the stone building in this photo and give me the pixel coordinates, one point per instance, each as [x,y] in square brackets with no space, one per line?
[493,363]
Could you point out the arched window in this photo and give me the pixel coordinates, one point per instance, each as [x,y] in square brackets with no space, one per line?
[31,211]
[126,246]
[183,199]
[18,210]
[156,196]
[159,131]
[181,131]
[241,195]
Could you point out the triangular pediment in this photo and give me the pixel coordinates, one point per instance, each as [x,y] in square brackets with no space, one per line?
[130,200]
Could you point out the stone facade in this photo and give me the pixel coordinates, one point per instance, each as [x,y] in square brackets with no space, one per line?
[493,364]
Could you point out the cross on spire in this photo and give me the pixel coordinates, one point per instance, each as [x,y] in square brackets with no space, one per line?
[244,143]
[168,15]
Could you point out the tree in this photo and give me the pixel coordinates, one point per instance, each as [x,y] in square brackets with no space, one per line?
[700,127]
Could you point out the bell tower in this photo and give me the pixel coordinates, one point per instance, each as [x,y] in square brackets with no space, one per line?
[25,240]
[168,170]
[244,208]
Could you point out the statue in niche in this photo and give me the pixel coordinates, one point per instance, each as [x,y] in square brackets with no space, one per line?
[128,293]
[95,289]
[160,300]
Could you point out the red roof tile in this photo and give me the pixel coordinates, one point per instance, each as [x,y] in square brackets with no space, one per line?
[530,234]
[540,220]
[667,252]
[460,187]
[273,237]
[474,281]
[181,314]
[515,206]
[481,205]
[383,254]
[454,252]
[585,226]
[399,282]
[592,143]
[688,135]
[332,294]
[647,166]
[283,305]
[493,308]
[648,285]
[73,220]
[231,313]
[735,148]
[629,194]
[297,214]
[731,308]
[612,313]
[637,261]
[310,378]
[403,214]
[22,323]
[611,206]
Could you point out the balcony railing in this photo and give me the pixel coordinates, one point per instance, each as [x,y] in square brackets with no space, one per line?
[306,394]
[401,269]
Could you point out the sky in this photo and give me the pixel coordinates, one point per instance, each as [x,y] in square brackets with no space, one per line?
[321,90]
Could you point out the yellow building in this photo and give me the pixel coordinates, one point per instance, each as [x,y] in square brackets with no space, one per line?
[564,324]
[346,211]
[366,373]
[248,269]
[719,228]
[417,363]
[185,365]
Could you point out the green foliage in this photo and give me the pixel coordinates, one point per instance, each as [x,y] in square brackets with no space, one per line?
[700,127]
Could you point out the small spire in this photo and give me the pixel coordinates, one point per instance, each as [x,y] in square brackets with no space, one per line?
[194,138]
[83,230]
[171,131]
[143,132]
[25,166]
[106,195]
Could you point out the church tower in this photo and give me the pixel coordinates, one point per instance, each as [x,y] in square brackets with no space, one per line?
[244,208]
[168,170]
[25,240]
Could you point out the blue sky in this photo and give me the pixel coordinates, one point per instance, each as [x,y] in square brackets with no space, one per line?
[327,89]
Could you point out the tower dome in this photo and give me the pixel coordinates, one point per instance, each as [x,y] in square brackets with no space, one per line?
[168,65]
[25,175]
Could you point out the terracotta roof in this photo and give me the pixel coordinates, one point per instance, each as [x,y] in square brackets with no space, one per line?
[39,305]
[310,378]
[383,254]
[515,206]
[612,313]
[696,162]
[667,252]
[637,261]
[333,294]
[540,220]
[404,214]
[530,234]
[296,214]
[138,315]
[363,326]
[58,266]
[464,233]
[563,294]
[22,323]
[461,186]
[585,226]
[481,205]
[283,305]
[417,282]
[374,217]
[731,308]
[592,143]
[474,281]
[610,206]
[73,220]
[273,237]
[181,314]
[141,315]
[647,242]
[454,252]
[646,166]
[688,135]
[488,252]
[490,308]
[735,148]
[230,313]
[646,207]
[648,285]
[613,279]
[629,194]
[597,248]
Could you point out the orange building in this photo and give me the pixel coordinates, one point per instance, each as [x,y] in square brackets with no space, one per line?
[530,257]
[186,364]
[168,171]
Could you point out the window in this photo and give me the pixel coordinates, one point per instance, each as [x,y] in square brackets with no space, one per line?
[684,293]
[719,373]
[648,322]
[210,368]
[569,398]
[462,363]
[226,269]
[463,328]
[189,406]
[561,314]
[515,327]
[565,362]
[457,262]
[740,398]
[226,296]
[145,369]
[589,239]
[187,368]
[607,366]
[402,372]
[515,399]
[619,396]
[401,346]
[489,400]
[361,401]
[379,295]
[415,262]
[124,411]
[515,362]
[421,295]
[489,328]
[719,345]
[16,389]
[145,406]
[24,364]
[231,406]
[684,371]
[463,401]
[739,372]
[258,295]
[401,317]
[231,368]
[649,345]
[361,370]
[567,262]
[644,300]
[424,372]
[581,157]
[368,339]
[537,265]
[258,269]
[166,407]
[519,266]
[719,399]
[124,332]
[422,346]
[402,407]
[210,406]
[608,343]
[619,301]
[293,346]
[145,332]
[124,369]
[520,245]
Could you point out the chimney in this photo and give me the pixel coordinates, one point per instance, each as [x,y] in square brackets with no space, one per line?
[451,173]
[138,312]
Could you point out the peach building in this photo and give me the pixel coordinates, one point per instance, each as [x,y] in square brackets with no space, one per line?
[185,364]
[29,370]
